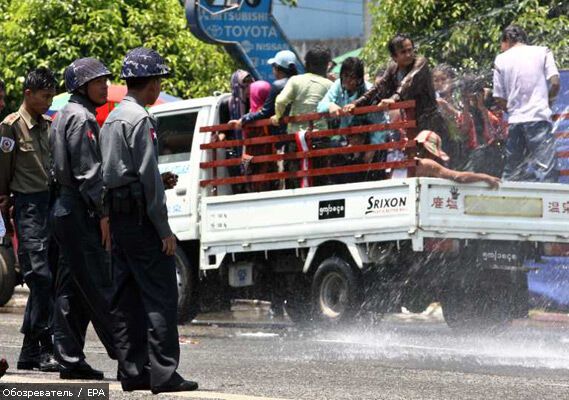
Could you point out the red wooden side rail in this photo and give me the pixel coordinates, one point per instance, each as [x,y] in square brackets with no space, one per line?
[402,105]
[407,123]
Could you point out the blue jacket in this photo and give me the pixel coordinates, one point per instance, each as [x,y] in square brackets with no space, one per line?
[340,96]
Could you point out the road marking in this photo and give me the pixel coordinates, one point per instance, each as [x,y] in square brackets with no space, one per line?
[116,387]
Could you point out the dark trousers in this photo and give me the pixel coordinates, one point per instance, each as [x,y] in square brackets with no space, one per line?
[83,284]
[31,215]
[145,302]
[530,153]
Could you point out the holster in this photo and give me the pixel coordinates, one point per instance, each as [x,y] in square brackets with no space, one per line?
[127,199]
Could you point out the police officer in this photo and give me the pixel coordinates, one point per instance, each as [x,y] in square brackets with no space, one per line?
[24,173]
[143,245]
[84,281]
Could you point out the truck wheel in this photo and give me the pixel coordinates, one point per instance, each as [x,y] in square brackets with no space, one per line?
[7,274]
[297,300]
[336,292]
[188,287]
[491,301]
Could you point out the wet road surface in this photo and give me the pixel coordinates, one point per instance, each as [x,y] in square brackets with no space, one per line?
[401,357]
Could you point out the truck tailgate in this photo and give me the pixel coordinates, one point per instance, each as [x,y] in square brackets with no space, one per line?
[515,211]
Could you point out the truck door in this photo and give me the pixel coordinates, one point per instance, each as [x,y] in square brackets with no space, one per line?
[176,130]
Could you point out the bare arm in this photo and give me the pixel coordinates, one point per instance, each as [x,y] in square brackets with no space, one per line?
[554,87]
[502,103]
[432,169]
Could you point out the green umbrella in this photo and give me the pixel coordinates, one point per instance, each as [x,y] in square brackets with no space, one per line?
[338,60]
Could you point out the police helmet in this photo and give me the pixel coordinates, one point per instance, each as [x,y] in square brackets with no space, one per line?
[143,63]
[83,70]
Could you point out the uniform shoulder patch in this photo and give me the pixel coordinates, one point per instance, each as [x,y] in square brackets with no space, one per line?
[47,118]
[10,119]
[7,144]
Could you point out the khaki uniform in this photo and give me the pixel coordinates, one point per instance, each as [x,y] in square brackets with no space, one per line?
[24,173]
[24,153]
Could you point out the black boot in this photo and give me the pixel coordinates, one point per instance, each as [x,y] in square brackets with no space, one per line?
[82,371]
[47,361]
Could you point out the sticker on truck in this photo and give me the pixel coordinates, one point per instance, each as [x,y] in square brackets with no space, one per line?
[328,209]
[386,205]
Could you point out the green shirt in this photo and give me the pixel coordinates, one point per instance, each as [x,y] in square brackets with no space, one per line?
[24,153]
[303,93]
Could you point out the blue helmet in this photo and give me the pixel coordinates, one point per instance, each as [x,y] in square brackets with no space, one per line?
[83,70]
[142,63]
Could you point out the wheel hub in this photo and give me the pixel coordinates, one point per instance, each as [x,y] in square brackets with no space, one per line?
[333,295]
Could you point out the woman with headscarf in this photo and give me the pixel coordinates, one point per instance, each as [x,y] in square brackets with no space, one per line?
[239,102]
[259,92]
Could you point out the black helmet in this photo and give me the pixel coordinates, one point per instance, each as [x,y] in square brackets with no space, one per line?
[83,70]
[142,63]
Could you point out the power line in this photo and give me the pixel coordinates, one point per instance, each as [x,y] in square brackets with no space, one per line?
[329,11]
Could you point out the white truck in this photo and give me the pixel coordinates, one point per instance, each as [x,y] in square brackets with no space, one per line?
[332,252]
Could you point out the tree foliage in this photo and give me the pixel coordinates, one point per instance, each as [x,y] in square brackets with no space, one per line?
[466,34]
[53,33]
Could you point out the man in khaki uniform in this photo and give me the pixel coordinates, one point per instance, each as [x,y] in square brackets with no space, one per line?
[24,174]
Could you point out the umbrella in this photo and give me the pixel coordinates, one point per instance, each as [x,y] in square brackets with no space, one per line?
[116,94]
[340,59]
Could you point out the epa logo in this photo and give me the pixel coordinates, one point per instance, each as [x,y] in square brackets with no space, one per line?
[96,393]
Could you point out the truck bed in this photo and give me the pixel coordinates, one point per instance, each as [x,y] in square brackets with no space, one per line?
[409,209]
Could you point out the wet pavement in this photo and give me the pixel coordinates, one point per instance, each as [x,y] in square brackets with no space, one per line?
[243,355]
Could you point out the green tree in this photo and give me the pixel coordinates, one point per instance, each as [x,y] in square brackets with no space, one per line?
[466,34]
[53,33]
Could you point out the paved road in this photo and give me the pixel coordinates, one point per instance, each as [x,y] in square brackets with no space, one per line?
[404,357]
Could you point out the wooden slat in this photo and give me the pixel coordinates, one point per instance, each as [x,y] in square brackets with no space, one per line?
[352,130]
[312,172]
[562,135]
[313,116]
[247,142]
[311,154]
[563,154]
[564,172]
[557,117]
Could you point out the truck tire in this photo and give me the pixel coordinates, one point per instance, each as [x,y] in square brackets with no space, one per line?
[7,274]
[336,292]
[490,302]
[188,287]
[297,300]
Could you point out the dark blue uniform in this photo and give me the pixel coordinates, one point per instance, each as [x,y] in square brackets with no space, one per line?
[84,278]
[145,304]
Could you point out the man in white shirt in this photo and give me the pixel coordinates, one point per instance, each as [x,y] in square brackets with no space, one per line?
[526,82]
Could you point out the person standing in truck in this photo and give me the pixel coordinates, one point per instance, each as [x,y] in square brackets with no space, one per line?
[24,174]
[143,245]
[526,83]
[84,277]
[284,65]
[302,94]
[407,77]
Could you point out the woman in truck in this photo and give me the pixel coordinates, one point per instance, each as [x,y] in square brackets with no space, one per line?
[259,92]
